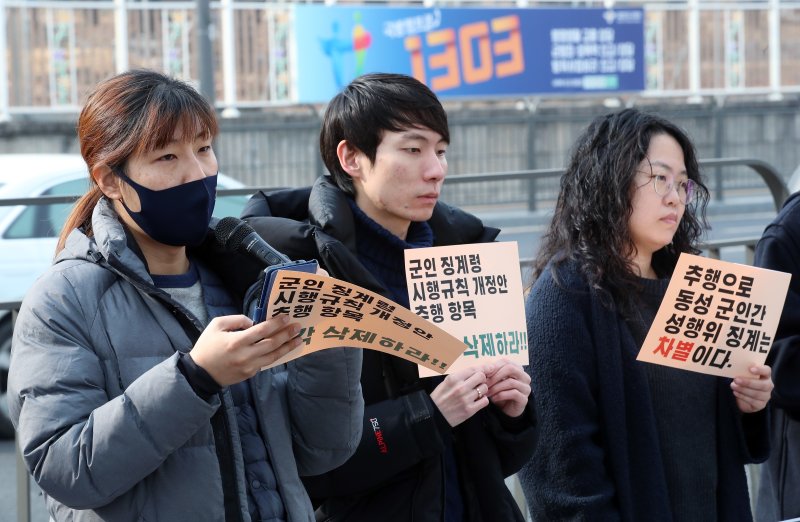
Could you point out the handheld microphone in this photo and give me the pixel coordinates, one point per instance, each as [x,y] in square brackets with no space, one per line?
[234,234]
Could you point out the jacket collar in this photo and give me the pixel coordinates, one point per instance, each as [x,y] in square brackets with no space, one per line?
[329,210]
[324,206]
[110,242]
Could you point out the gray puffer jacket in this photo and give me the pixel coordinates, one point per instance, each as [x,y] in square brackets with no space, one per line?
[111,430]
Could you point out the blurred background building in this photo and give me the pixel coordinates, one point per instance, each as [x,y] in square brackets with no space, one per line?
[727,71]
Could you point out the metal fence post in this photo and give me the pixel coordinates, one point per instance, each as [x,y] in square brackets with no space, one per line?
[321,169]
[774,24]
[531,159]
[4,113]
[205,57]
[23,482]
[693,12]
[228,60]
[719,135]
[23,488]
[120,36]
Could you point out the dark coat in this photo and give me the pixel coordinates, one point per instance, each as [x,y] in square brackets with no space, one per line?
[407,482]
[598,455]
[779,491]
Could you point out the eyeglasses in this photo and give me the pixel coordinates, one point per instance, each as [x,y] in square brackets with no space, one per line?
[663,185]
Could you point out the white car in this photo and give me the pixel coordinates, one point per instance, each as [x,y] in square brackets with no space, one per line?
[29,233]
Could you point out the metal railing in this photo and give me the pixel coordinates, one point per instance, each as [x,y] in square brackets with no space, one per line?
[772,179]
[769,175]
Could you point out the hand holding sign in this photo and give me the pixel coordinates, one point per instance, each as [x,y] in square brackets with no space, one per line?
[232,349]
[467,391]
[508,386]
[461,395]
[752,393]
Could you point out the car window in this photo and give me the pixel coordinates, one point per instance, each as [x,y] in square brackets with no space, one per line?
[38,221]
[229,205]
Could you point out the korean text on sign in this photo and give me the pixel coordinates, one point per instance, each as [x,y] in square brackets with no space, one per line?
[334,313]
[475,293]
[716,317]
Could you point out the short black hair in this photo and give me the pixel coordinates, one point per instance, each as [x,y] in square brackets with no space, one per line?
[370,105]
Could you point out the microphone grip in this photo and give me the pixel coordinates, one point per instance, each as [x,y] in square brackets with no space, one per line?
[261,249]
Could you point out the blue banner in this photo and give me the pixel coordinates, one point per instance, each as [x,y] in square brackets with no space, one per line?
[470,52]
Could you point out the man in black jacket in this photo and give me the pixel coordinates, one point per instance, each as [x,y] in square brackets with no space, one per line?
[434,449]
[779,249]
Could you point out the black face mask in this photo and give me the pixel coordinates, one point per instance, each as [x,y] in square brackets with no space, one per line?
[176,216]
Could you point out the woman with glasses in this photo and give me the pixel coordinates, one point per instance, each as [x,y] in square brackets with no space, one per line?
[622,439]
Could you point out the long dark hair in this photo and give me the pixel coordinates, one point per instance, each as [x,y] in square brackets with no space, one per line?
[133,112]
[590,222]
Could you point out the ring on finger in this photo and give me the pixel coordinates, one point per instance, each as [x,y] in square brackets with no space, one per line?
[480,393]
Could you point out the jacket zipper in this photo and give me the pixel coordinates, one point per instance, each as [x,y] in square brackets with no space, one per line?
[193,330]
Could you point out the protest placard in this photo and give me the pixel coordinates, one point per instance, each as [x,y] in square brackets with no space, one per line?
[716,317]
[334,313]
[474,292]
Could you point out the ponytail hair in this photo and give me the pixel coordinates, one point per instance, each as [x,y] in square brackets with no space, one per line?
[81,215]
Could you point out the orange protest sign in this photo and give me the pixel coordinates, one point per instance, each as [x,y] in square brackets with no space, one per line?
[333,313]
[474,292]
[717,317]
